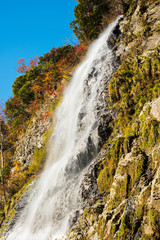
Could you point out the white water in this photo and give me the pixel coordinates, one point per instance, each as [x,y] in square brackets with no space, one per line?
[74,144]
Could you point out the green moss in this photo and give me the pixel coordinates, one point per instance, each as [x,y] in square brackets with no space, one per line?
[101,226]
[122,229]
[113,230]
[139,210]
[146,237]
[157,28]
[121,192]
[139,168]
[150,131]
[85,212]
[109,165]
[155,158]
[126,226]
[135,83]
[38,160]
[154,221]
[39,155]
[57,101]
[2,216]
[103,179]
[152,215]
[47,135]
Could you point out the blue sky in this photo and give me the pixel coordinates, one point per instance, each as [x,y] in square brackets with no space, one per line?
[28,29]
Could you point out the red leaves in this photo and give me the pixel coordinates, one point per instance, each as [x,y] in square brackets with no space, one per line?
[23,66]
[80,48]
[44,116]
[34,106]
[33,62]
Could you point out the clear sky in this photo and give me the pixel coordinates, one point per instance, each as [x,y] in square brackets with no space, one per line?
[30,28]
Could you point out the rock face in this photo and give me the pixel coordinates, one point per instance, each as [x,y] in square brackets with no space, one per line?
[33,137]
[124,181]
[155,109]
[131,208]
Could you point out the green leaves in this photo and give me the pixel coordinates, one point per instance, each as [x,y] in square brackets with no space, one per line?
[88,22]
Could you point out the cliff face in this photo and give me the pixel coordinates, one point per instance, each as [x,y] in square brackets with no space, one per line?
[127,170]
[34,138]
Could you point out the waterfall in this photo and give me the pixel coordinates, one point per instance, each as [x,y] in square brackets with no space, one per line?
[74,144]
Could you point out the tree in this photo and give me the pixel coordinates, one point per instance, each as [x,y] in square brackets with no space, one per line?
[33,62]
[16,114]
[3,142]
[18,84]
[88,22]
[26,94]
[23,66]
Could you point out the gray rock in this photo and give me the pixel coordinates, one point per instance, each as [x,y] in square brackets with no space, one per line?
[155,109]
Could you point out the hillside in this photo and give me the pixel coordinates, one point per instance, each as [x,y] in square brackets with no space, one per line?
[121,189]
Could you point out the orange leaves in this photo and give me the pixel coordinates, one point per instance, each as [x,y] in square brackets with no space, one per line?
[33,62]
[61,62]
[44,116]
[34,106]
[17,167]
[23,66]
[49,77]
[36,88]
[80,48]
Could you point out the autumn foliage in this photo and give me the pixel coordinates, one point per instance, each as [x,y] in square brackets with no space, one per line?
[23,66]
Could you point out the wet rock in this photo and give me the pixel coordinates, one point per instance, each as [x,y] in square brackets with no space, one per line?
[73,219]
[114,36]
[104,130]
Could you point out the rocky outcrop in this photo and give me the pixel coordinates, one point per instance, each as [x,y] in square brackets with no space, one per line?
[131,208]
[140,29]
[33,138]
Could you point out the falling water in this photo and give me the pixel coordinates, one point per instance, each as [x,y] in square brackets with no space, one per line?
[74,144]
